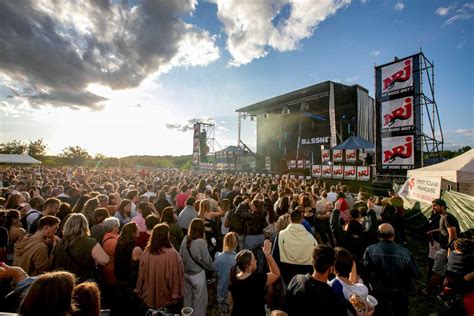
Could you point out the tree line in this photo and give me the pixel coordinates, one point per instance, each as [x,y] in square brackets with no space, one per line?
[78,156]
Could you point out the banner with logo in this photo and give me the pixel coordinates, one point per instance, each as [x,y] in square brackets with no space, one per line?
[338,172]
[292,164]
[337,155]
[397,76]
[326,171]
[300,164]
[397,115]
[423,189]
[325,155]
[307,164]
[268,163]
[351,155]
[398,151]
[196,145]
[316,171]
[363,173]
[350,172]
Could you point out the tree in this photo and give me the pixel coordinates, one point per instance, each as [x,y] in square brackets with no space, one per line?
[75,155]
[14,147]
[37,148]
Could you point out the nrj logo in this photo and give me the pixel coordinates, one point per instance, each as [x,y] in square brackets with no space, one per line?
[402,113]
[403,151]
[337,171]
[400,76]
[327,171]
[325,154]
[363,173]
[337,154]
[411,183]
[350,172]
[317,170]
[350,155]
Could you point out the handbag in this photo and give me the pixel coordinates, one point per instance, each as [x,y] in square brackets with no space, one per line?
[209,273]
[270,231]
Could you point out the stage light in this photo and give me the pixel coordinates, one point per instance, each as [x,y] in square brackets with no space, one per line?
[252,117]
[285,110]
[265,115]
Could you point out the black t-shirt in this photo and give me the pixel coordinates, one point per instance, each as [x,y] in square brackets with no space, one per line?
[248,295]
[446,221]
[306,296]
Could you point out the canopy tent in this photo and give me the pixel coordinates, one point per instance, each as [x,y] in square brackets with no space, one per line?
[18,159]
[459,169]
[355,142]
[459,204]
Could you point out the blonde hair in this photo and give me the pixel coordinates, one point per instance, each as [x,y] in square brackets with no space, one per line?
[75,227]
[204,207]
[230,242]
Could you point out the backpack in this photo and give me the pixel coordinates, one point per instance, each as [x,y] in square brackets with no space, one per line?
[236,223]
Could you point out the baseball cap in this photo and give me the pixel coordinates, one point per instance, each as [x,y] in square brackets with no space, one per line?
[440,202]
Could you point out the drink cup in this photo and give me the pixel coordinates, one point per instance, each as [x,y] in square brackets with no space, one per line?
[187,311]
[371,302]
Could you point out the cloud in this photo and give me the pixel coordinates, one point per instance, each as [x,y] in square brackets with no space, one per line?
[468,132]
[351,79]
[53,50]
[375,52]
[442,11]
[255,27]
[399,6]
[465,12]
[189,124]
[461,45]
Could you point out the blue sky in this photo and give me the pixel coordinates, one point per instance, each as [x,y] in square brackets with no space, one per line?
[223,55]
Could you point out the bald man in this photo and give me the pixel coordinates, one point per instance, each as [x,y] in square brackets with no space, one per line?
[390,271]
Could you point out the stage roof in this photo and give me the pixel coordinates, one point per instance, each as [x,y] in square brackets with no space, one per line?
[292,98]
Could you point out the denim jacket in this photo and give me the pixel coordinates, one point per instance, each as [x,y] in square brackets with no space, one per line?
[389,266]
[223,262]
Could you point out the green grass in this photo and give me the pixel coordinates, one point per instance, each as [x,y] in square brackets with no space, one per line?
[417,306]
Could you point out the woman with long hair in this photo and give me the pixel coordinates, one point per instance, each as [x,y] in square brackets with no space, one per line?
[127,256]
[196,259]
[211,229]
[80,203]
[86,297]
[247,286]
[124,212]
[161,273]
[14,227]
[176,233]
[50,294]
[77,252]
[89,207]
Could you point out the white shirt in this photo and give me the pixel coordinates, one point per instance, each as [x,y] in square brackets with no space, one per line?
[332,197]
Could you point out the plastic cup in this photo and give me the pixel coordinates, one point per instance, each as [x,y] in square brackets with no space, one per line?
[187,311]
[371,301]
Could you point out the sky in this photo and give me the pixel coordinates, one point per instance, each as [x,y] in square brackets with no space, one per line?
[124,78]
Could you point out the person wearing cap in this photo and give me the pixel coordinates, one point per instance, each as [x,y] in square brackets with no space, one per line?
[446,234]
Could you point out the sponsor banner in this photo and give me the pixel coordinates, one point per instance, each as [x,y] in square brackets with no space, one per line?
[300,164]
[325,155]
[337,155]
[316,171]
[315,140]
[232,166]
[268,163]
[398,151]
[326,171]
[397,114]
[301,178]
[338,172]
[363,173]
[350,172]
[292,164]
[423,189]
[351,155]
[397,76]
[307,164]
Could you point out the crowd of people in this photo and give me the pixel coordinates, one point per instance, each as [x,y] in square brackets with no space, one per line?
[126,241]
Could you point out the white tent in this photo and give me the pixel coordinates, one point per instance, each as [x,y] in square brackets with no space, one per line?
[459,169]
[18,159]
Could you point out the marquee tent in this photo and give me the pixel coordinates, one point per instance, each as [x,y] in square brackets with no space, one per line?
[18,159]
[355,142]
[459,169]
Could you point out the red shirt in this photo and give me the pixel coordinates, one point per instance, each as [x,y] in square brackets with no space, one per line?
[181,199]
[142,240]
